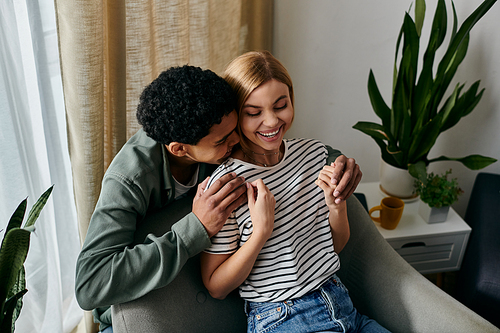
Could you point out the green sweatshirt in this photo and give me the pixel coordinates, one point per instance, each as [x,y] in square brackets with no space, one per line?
[110,268]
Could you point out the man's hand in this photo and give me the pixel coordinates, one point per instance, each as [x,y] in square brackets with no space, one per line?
[346,176]
[213,206]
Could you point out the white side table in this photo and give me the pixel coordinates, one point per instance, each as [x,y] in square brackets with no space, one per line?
[429,248]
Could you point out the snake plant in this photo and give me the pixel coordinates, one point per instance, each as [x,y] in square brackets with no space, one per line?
[418,115]
[13,252]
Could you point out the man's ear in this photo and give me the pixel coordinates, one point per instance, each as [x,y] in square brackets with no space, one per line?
[177,149]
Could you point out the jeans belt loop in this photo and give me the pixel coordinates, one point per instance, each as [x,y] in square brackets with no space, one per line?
[247,308]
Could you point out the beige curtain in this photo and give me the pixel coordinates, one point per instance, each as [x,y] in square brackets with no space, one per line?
[110,50]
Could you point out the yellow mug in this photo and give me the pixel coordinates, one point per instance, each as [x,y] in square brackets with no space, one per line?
[391,209]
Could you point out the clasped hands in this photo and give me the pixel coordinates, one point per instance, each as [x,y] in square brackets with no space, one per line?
[339,180]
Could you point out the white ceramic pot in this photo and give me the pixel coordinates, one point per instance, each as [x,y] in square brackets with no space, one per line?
[396,182]
[432,214]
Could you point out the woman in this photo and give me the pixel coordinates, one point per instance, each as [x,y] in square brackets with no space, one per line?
[281,249]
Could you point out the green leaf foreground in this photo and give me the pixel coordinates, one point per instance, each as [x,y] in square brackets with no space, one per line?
[13,253]
[10,311]
[38,206]
[17,218]
[12,256]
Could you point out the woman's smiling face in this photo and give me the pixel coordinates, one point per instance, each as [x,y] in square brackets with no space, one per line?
[265,116]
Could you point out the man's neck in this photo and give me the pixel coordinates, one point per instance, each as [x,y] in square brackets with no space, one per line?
[181,168]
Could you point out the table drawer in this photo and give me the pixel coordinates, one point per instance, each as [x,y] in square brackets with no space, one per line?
[432,254]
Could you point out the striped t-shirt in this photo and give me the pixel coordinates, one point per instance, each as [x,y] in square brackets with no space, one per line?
[299,256]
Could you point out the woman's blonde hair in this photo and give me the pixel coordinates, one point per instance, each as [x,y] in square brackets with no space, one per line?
[248,71]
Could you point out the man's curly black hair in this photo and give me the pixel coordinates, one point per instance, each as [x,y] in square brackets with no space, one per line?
[183,103]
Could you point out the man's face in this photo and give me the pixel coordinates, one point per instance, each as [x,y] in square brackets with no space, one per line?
[216,147]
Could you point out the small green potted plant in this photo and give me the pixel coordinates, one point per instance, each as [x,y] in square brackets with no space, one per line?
[437,193]
[13,253]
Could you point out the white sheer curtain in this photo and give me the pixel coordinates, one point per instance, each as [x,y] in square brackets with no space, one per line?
[33,156]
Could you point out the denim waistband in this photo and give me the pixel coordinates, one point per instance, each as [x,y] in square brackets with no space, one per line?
[249,305]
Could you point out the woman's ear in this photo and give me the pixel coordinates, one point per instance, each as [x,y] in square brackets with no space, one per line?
[177,149]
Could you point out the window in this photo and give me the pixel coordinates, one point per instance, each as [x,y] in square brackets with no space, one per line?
[34,155]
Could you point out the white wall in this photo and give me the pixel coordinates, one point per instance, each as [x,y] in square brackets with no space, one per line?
[329,46]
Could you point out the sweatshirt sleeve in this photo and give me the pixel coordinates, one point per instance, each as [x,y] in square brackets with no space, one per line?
[332,154]
[112,268]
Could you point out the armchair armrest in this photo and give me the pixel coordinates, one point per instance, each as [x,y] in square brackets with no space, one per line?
[386,288]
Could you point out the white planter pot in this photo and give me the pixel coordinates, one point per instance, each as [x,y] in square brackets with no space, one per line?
[396,182]
[432,214]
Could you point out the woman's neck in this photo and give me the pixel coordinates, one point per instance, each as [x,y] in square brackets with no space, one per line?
[260,156]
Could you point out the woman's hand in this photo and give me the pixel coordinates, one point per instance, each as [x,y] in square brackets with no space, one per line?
[324,182]
[337,218]
[261,204]
[222,273]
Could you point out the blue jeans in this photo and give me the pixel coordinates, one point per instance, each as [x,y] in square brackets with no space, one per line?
[108,329]
[328,309]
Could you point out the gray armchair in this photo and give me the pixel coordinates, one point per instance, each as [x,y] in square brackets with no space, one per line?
[382,285]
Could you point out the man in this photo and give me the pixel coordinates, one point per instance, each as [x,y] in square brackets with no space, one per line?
[189,126]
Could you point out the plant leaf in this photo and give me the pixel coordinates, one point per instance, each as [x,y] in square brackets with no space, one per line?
[419,171]
[7,324]
[377,133]
[419,15]
[464,30]
[463,106]
[400,100]
[405,134]
[440,88]
[422,97]
[470,99]
[424,140]
[374,130]
[17,218]
[411,40]
[378,104]
[397,155]
[19,286]
[455,21]
[12,257]
[450,104]
[473,162]
[38,206]
[440,23]
[395,73]
[422,110]
[403,91]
